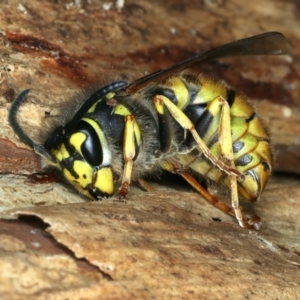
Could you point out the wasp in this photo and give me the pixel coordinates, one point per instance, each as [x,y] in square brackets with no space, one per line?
[169,120]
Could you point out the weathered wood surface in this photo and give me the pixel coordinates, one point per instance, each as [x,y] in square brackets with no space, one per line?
[166,244]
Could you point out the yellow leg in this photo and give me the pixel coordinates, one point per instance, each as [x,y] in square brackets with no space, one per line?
[225,141]
[186,123]
[129,154]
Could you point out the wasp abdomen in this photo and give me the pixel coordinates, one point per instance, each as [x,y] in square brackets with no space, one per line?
[250,140]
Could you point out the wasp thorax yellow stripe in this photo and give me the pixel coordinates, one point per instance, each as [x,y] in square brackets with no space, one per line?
[122,110]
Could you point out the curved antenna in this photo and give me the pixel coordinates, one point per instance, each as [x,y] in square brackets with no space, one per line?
[112,87]
[12,119]
[268,43]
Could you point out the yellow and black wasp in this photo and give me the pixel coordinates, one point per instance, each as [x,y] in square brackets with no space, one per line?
[169,120]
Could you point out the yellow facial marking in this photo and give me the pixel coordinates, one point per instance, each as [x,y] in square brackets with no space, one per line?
[84,171]
[61,153]
[104,181]
[76,140]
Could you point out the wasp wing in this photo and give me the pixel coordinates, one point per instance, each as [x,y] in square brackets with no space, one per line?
[269,43]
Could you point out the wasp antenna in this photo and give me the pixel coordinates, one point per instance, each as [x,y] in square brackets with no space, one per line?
[43,152]
[12,118]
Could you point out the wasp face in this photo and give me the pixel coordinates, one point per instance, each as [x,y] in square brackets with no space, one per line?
[83,158]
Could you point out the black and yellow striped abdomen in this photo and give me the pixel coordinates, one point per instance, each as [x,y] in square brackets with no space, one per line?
[195,96]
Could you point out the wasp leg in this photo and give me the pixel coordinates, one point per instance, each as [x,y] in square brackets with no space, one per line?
[145,185]
[186,123]
[129,152]
[225,141]
[249,223]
